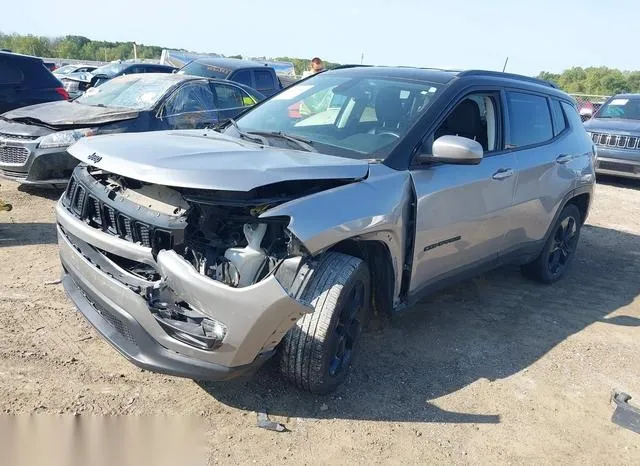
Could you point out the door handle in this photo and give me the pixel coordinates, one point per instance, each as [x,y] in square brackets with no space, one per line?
[502,174]
[564,158]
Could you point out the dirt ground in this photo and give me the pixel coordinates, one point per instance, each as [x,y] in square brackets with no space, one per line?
[497,369]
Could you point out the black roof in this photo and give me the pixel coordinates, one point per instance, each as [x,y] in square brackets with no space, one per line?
[19,56]
[418,74]
[436,75]
[626,95]
[231,63]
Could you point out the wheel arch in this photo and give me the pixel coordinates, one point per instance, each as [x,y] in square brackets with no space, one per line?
[382,274]
[582,202]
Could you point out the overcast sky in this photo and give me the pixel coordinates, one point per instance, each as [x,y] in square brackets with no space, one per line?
[537,35]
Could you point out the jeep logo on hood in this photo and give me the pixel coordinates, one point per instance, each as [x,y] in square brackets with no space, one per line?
[95,158]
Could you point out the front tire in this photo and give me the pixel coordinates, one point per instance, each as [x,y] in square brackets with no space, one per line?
[317,352]
[556,257]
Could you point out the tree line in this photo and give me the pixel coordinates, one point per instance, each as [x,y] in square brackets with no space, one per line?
[595,80]
[75,47]
[82,48]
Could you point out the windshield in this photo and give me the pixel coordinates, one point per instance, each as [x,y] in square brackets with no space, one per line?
[357,117]
[111,69]
[202,69]
[623,108]
[135,91]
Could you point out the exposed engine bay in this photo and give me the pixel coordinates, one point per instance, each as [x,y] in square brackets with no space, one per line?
[218,232]
[228,244]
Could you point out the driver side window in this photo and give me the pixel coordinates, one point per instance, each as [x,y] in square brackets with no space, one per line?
[190,98]
[191,106]
[475,117]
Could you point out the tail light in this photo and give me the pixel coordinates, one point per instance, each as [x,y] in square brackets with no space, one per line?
[63,92]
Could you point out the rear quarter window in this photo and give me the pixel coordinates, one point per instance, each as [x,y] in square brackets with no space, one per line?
[559,120]
[529,119]
[572,115]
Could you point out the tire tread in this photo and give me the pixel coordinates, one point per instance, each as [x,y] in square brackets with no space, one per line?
[302,352]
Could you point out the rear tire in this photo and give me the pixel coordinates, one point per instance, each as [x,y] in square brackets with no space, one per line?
[317,352]
[556,257]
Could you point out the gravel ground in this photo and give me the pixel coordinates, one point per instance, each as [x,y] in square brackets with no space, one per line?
[497,369]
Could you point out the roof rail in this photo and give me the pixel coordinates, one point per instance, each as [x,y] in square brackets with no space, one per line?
[500,74]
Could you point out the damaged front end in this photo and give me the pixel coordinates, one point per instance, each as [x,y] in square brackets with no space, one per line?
[199,272]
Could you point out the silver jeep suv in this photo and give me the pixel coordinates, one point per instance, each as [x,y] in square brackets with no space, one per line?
[354,192]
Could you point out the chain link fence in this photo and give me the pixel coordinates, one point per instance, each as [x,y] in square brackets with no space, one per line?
[588,105]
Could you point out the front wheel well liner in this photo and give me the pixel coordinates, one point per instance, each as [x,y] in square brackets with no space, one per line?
[378,257]
[581,201]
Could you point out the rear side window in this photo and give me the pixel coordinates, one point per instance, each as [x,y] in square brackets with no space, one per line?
[572,115]
[264,80]
[9,73]
[529,119]
[243,77]
[559,121]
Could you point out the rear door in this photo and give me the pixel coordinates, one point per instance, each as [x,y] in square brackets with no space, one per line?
[539,133]
[463,210]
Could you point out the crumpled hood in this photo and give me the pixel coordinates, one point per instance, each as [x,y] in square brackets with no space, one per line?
[67,114]
[209,160]
[611,125]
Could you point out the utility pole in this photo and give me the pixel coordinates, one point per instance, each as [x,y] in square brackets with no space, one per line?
[135,52]
[362,58]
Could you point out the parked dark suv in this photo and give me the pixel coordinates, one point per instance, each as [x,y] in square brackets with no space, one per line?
[203,253]
[25,80]
[256,75]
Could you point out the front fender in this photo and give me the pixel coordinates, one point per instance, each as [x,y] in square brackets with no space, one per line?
[376,208]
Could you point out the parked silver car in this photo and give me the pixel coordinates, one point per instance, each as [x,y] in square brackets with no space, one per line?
[615,129]
[351,193]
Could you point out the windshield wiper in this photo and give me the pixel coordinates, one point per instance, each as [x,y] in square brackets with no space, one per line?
[301,142]
[249,137]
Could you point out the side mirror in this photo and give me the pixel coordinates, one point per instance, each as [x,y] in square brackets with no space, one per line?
[455,150]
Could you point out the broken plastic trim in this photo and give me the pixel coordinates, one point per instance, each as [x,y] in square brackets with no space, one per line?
[625,415]
[184,323]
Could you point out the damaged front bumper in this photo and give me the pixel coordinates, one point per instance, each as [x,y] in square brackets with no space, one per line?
[116,303]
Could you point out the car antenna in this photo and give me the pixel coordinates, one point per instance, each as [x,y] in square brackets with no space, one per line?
[505,64]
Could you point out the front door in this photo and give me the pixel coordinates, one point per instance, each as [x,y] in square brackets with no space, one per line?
[463,210]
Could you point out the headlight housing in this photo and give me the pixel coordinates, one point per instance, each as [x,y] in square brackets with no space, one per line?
[65,138]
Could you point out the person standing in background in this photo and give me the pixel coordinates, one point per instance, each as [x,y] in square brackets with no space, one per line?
[317,102]
[316,66]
